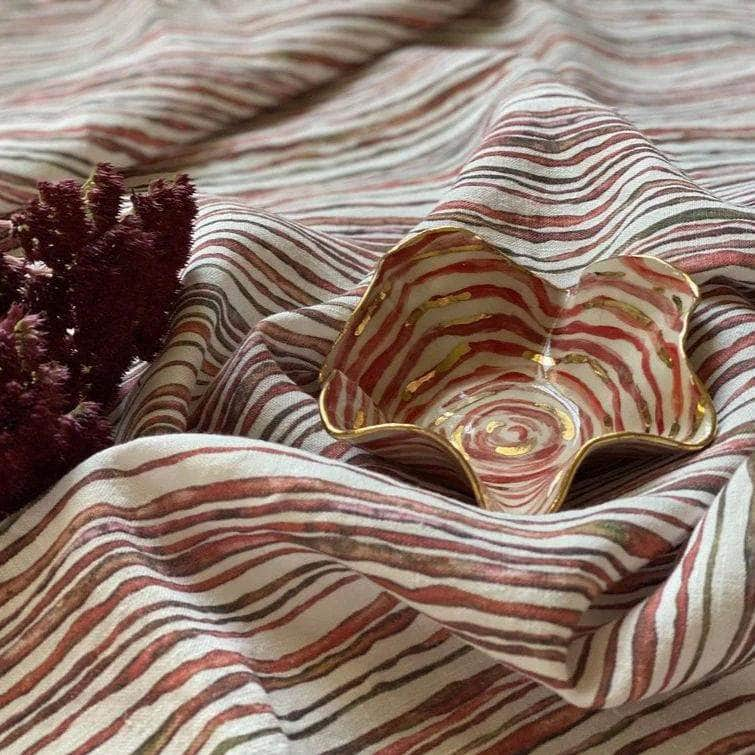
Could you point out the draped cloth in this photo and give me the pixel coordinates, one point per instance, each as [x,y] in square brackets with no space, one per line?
[228,577]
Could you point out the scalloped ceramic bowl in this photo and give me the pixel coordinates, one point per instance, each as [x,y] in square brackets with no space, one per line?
[466,367]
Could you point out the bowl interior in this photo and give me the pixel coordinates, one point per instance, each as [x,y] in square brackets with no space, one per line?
[518,436]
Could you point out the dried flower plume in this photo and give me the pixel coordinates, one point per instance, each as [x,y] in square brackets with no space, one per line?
[92,290]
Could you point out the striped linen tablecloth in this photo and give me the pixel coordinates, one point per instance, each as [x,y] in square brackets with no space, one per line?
[229,578]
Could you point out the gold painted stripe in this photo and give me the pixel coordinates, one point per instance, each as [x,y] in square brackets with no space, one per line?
[700,412]
[438,421]
[517,450]
[665,356]
[594,364]
[443,366]
[568,429]
[436,302]
[543,359]
[467,320]
[633,312]
[379,299]
[645,414]
[458,442]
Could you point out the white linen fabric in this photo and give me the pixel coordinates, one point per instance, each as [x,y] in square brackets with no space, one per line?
[228,577]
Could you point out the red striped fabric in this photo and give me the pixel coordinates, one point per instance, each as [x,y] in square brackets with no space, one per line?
[229,577]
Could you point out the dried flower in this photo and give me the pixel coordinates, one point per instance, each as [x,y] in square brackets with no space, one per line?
[92,292]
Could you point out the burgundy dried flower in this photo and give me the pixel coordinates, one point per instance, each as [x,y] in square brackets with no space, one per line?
[104,193]
[92,292]
[40,437]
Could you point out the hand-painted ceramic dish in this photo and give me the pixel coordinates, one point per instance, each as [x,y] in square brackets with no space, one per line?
[466,367]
